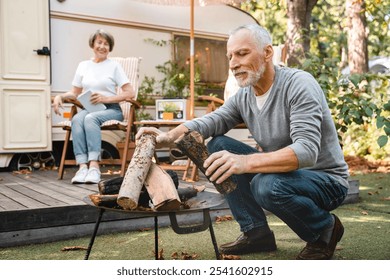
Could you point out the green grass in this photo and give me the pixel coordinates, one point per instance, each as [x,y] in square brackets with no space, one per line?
[367,236]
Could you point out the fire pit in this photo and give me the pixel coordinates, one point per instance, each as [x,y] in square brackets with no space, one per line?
[202,202]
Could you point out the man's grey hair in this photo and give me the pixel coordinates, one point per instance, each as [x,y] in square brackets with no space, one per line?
[259,34]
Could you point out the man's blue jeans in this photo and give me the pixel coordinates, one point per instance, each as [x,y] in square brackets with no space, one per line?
[86,133]
[302,198]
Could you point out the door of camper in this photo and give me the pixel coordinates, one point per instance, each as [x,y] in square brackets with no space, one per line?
[25,114]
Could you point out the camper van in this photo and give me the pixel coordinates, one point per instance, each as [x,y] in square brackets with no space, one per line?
[43,41]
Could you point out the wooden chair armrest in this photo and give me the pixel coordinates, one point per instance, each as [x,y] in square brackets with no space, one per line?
[74,102]
[135,103]
[71,101]
[211,99]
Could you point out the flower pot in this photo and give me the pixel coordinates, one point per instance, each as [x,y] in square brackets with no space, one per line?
[168,116]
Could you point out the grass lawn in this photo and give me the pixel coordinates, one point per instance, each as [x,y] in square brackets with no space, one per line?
[367,236]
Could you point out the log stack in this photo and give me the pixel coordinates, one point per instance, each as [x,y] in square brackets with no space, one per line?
[143,181]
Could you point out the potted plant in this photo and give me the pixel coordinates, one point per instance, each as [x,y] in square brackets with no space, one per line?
[169,109]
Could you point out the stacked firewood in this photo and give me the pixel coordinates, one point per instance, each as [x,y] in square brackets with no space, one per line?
[144,180]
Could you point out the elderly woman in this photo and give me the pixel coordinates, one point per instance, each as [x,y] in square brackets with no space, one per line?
[101,76]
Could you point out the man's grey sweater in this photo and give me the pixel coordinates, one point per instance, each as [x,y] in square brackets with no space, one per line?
[295,115]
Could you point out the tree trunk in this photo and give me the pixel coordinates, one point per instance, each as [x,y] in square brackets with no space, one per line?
[298,29]
[357,37]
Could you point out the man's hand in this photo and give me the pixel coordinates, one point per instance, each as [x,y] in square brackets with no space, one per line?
[162,138]
[223,164]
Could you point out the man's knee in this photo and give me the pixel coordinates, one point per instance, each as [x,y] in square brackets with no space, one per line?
[264,189]
[216,144]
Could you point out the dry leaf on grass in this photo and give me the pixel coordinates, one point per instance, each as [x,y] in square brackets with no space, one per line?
[184,256]
[144,229]
[220,219]
[74,248]
[230,257]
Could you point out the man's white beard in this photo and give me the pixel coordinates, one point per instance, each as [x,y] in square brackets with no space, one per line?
[253,77]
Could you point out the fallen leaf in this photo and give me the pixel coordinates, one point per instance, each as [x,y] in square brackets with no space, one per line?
[23,171]
[144,229]
[186,256]
[220,219]
[175,255]
[74,248]
[230,257]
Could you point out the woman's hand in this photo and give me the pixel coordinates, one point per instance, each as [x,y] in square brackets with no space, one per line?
[57,104]
[98,98]
[223,164]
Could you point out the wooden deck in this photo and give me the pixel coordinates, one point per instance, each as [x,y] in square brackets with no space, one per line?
[37,207]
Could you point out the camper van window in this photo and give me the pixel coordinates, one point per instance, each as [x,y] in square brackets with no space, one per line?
[210,57]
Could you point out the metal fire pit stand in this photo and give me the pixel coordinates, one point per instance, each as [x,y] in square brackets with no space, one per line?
[199,204]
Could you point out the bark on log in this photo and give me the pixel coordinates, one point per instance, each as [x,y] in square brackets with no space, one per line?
[110,186]
[191,144]
[161,189]
[113,185]
[137,172]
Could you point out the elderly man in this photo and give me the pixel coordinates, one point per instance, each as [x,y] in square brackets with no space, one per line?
[299,174]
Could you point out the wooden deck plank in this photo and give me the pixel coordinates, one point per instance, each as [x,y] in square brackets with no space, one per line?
[7,204]
[21,198]
[55,194]
[41,196]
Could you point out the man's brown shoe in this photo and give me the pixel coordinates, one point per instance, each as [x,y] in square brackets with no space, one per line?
[245,245]
[319,250]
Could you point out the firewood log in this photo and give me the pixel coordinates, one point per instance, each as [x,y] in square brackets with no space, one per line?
[161,189]
[108,200]
[112,185]
[137,172]
[191,144]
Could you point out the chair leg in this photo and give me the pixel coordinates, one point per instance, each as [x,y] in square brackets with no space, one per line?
[188,166]
[124,159]
[194,173]
[63,157]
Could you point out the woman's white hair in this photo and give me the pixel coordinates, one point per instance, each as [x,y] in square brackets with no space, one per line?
[259,34]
